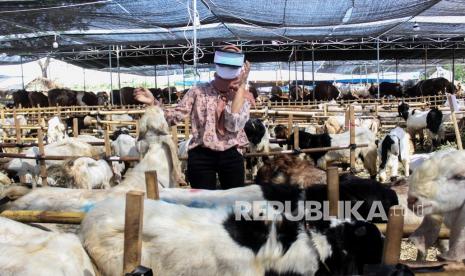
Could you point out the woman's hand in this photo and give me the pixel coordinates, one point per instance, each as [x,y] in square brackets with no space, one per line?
[144,96]
[242,79]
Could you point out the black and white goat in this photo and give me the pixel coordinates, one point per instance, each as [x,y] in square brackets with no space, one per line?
[394,148]
[216,242]
[259,142]
[417,121]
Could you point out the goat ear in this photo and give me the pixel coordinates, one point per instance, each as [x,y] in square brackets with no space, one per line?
[176,165]
[142,147]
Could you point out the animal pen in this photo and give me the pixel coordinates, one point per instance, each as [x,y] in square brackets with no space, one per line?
[293,47]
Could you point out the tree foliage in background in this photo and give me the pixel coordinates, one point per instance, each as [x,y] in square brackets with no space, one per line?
[459,71]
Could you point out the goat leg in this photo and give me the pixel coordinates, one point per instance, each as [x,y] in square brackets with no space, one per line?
[427,233]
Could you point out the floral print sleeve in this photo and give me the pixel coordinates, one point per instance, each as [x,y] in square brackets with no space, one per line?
[182,110]
[234,122]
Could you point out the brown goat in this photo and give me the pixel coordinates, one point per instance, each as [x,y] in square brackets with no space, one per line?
[291,170]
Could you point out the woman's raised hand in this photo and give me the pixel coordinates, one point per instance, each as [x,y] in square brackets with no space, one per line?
[242,79]
[144,96]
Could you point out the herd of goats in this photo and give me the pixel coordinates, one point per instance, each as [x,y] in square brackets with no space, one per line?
[323,91]
[198,232]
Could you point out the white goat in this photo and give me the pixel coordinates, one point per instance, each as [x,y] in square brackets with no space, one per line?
[393,148]
[11,122]
[56,130]
[437,189]
[81,173]
[124,146]
[27,250]
[67,147]
[336,124]
[367,154]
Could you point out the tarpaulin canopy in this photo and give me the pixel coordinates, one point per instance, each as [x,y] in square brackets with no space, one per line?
[31,27]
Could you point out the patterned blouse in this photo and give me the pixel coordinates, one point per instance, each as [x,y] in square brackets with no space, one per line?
[200,103]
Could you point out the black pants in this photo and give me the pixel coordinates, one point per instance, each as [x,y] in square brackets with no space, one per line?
[203,164]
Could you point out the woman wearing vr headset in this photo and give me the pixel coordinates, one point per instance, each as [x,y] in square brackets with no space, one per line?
[218,112]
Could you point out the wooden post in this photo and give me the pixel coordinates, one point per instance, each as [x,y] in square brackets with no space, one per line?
[186,128]
[133,225]
[352,136]
[296,137]
[376,109]
[332,177]
[2,117]
[151,182]
[107,141]
[454,121]
[325,109]
[394,233]
[347,120]
[137,128]
[75,127]
[17,126]
[290,119]
[174,134]
[43,168]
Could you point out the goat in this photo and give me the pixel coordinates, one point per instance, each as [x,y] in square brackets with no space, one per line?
[81,173]
[416,120]
[11,122]
[289,169]
[259,141]
[218,244]
[56,130]
[394,148]
[437,190]
[27,250]
[336,124]
[66,147]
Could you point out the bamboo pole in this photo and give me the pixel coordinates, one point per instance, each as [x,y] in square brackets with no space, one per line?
[133,225]
[107,142]
[75,127]
[458,137]
[409,229]
[290,120]
[352,137]
[332,177]
[394,233]
[174,134]
[186,128]
[17,126]
[28,216]
[296,137]
[43,168]
[151,182]
[137,128]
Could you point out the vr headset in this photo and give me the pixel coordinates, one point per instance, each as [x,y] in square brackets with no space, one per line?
[232,59]
[228,64]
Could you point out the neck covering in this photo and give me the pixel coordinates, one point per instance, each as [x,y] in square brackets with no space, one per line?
[226,90]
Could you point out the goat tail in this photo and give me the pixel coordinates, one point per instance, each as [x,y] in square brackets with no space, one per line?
[13,193]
